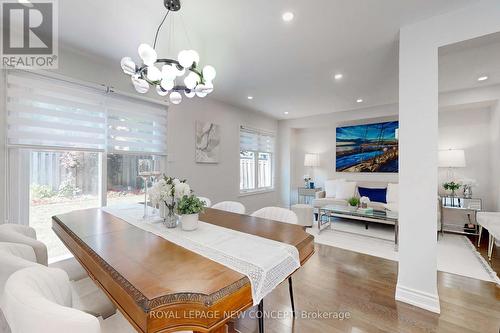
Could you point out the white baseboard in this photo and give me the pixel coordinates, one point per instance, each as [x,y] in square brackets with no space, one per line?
[417,298]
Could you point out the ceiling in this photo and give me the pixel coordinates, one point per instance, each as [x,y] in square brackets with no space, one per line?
[285,66]
[461,64]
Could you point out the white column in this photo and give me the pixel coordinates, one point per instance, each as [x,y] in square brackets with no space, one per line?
[418,117]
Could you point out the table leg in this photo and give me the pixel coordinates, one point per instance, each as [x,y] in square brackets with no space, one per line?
[396,236]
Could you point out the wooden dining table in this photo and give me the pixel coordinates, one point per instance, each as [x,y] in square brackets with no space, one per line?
[160,286]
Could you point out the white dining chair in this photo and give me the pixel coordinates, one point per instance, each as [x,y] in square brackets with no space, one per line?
[281,215]
[207,201]
[21,234]
[90,298]
[491,222]
[230,206]
[40,299]
[277,214]
[14,257]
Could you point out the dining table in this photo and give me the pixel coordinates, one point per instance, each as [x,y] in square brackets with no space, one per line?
[160,286]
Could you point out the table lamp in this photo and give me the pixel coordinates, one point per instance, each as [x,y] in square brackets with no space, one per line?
[451,158]
[311,161]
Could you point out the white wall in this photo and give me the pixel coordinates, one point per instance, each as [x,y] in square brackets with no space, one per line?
[495,156]
[216,181]
[469,129]
[418,115]
[3,152]
[316,134]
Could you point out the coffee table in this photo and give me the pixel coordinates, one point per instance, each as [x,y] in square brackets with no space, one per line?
[326,213]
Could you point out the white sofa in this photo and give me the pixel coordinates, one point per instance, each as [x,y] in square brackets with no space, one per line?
[330,195]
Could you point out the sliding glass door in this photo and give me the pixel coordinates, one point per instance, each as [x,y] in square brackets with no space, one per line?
[60,182]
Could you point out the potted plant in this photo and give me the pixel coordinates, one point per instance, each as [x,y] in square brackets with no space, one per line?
[451,186]
[353,202]
[189,207]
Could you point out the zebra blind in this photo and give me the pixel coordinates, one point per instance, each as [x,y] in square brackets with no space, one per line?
[135,126]
[254,140]
[49,112]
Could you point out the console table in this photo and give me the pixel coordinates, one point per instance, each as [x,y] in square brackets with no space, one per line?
[469,206]
[304,194]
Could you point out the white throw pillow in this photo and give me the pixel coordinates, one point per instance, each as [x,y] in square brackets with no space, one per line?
[345,190]
[331,187]
[392,195]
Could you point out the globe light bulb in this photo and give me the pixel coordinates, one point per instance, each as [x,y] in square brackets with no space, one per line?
[189,94]
[201,94]
[175,97]
[160,91]
[190,82]
[167,84]
[128,65]
[186,58]
[209,73]
[147,54]
[168,72]
[154,74]
[140,85]
[209,87]
[195,56]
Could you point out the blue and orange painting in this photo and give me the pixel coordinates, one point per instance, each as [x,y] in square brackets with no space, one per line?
[368,148]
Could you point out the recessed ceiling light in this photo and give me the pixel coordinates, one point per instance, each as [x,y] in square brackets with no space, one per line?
[338,76]
[286,112]
[359,100]
[482,78]
[287,16]
[250,97]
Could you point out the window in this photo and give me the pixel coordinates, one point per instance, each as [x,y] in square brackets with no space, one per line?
[74,147]
[60,182]
[256,160]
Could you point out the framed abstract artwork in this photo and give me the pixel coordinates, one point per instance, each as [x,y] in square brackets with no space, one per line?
[368,148]
[207,142]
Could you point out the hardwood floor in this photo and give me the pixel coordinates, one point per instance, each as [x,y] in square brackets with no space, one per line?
[495,260]
[341,280]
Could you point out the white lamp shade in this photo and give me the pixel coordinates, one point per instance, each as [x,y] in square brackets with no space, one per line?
[452,158]
[311,160]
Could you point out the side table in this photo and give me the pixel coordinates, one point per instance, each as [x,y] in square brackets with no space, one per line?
[469,206]
[305,195]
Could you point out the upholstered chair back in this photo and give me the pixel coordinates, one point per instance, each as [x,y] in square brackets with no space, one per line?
[16,233]
[207,201]
[230,206]
[277,214]
[39,299]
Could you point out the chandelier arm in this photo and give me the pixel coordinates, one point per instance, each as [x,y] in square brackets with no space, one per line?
[159,27]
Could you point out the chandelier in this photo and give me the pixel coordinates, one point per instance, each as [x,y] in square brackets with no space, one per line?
[164,74]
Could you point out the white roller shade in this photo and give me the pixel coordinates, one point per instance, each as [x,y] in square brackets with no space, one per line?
[136,126]
[254,140]
[53,113]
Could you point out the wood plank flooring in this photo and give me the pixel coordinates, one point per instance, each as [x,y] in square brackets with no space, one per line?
[341,280]
[495,260]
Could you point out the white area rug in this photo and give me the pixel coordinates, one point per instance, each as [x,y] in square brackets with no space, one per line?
[456,254]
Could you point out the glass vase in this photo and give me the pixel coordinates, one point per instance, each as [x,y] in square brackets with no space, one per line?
[171,219]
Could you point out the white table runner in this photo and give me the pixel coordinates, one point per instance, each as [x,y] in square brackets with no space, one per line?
[265,262]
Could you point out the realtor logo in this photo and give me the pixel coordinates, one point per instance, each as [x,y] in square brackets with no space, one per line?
[29,34]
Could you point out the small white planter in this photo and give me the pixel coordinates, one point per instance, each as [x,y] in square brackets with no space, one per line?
[189,222]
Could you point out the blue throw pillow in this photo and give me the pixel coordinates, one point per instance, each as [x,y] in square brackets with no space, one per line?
[375,194]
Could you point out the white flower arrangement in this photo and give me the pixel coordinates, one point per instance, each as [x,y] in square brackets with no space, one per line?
[168,190]
[364,200]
